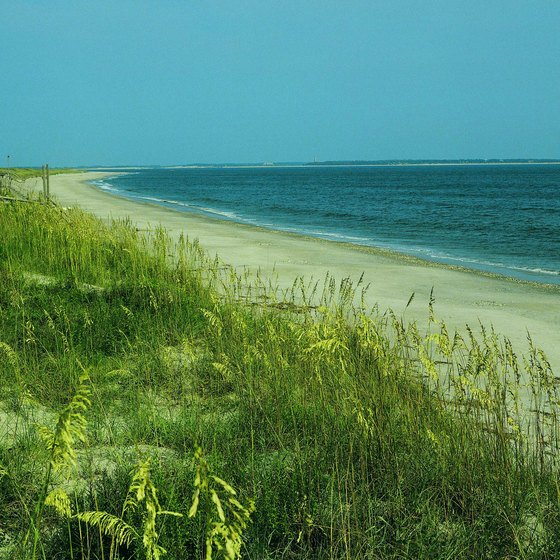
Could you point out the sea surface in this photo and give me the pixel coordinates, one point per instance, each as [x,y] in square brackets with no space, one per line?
[503,219]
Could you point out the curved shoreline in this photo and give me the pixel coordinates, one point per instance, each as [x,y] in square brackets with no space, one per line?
[431,255]
[462,296]
[373,249]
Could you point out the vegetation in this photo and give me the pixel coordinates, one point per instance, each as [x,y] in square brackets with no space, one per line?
[23,173]
[153,400]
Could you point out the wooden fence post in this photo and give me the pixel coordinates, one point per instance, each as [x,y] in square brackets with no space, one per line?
[43,176]
[48,182]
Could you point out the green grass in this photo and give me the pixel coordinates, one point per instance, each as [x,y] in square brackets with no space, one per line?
[22,173]
[351,433]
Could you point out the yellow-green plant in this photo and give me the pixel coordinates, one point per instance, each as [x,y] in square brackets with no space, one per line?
[141,490]
[228,518]
[60,442]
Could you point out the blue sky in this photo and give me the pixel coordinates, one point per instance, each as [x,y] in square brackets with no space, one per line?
[181,81]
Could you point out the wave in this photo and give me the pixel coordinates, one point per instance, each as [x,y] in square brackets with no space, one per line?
[194,208]
[493,265]
[105,186]
[340,236]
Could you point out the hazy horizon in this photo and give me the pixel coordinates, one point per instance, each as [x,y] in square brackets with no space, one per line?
[130,82]
[358,163]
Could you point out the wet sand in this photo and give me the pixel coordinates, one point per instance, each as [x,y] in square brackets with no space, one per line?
[461,296]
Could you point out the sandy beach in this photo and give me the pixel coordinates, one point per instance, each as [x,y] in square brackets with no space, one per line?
[461,296]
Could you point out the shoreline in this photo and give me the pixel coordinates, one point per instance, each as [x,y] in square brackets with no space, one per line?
[462,295]
[531,276]
[372,249]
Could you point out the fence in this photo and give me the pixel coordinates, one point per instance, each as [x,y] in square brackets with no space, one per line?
[5,180]
[8,178]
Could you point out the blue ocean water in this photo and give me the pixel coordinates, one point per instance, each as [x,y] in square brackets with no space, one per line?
[497,218]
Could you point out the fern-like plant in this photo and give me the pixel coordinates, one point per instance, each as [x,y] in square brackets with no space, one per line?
[141,490]
[70,429]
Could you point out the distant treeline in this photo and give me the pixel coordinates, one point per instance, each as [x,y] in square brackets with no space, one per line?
[329,162]
[429,161]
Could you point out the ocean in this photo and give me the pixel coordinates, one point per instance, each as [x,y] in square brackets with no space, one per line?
[503,219]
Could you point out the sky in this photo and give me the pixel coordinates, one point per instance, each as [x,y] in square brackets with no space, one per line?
[182,81]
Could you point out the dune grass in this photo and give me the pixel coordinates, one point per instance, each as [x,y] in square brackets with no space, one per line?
[23,173]
[153,400]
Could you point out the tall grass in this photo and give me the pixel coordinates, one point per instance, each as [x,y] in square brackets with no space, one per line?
[22,173]
[350,433]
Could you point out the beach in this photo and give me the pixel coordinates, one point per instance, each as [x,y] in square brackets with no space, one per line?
[513,308]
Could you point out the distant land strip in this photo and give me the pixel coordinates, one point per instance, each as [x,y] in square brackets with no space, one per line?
[331,163]
[432,161]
